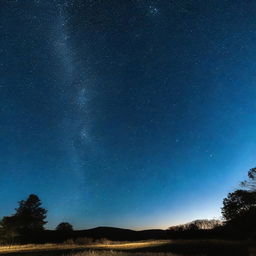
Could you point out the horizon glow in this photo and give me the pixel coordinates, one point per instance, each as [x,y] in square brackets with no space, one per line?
[135,114]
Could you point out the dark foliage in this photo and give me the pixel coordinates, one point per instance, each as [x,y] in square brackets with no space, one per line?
[28,221]
[239,209]
[251,182]
[238,203]
[64,227]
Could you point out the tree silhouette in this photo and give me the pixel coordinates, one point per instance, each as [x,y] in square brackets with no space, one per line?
[238,203]
[9,229]
[64,227]
[239,208]
[29,218]
[30,213]
[251,182]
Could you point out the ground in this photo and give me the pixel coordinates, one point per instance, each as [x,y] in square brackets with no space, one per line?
[142,248]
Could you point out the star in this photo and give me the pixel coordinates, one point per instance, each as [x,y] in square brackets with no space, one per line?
[153,10]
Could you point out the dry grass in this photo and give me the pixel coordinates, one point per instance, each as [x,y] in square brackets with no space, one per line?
[141,248]
[131,245]
[35,247]
[73,246]
[118,253]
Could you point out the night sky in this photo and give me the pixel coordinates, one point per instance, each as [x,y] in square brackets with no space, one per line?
[127,113]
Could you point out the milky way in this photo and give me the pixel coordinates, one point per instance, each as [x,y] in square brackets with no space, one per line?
[136,113]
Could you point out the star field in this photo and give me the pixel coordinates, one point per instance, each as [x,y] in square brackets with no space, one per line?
[137,114]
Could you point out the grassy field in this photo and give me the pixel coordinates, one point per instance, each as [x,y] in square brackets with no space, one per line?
[142,248]
[118,253]
[72,246]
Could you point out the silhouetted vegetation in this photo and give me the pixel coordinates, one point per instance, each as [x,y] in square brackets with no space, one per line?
[239,209]
[26,225]
[64,227]
[197,225]
[27,222]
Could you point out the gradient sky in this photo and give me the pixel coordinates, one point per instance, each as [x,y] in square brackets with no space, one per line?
[128,113]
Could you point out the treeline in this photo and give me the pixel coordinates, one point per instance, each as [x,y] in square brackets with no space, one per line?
[26,225]
[239,216]
[239,209]
[197,224]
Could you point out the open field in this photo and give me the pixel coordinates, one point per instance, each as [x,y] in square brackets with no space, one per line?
[119,253]
[143,248]
[68,246]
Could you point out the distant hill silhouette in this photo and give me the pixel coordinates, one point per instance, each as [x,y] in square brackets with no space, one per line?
[120,234]
[106,232]
[110,233]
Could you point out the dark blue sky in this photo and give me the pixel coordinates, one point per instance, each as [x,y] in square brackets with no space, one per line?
[137,113]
